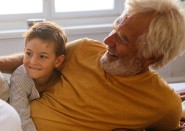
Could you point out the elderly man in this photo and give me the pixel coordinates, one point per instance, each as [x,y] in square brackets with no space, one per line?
[111,87]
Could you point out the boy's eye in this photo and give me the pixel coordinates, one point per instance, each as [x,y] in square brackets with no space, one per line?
[43,57]
[28,53]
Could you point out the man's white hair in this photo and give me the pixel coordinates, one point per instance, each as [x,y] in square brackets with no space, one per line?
[166,33]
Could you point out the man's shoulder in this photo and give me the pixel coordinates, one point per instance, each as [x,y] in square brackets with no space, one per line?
[83,46]
[84,42]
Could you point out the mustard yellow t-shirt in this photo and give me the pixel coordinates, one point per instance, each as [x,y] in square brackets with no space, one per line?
[89,99]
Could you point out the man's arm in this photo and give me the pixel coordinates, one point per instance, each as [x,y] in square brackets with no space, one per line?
[9,63]
[181,92]
[182,95]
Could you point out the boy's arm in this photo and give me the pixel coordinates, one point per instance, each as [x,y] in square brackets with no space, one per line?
[21,88]
[9,63]
[4,88]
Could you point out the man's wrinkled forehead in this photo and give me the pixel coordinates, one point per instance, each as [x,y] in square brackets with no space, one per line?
[121,18]
[144,18]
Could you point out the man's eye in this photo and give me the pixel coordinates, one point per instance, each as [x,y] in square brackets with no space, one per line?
[123,40]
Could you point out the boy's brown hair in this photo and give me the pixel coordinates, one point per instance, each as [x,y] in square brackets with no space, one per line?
[48,31]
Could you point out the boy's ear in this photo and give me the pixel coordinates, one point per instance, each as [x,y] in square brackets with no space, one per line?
[24,50]
[59,61]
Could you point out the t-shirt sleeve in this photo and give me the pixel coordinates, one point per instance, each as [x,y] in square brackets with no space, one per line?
[170,120]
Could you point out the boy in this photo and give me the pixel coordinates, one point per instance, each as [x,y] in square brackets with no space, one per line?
[43,55]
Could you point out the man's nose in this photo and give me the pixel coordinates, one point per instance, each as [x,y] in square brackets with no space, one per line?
[110,39]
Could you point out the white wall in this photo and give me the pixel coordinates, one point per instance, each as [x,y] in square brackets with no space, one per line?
[173,72]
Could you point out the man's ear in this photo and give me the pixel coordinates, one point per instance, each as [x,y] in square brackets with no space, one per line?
[59,61]
[152,60]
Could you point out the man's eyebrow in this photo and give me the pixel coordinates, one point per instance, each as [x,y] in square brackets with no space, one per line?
[114,27]
[117,21]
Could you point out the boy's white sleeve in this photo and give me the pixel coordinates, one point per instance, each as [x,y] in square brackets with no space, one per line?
[4,88]
[21,88]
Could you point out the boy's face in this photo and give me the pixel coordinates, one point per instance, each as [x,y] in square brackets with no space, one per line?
[40,59]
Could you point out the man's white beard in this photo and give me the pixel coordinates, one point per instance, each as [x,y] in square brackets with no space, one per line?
[127,66]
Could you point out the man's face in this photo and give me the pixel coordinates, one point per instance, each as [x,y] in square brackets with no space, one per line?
[122,56]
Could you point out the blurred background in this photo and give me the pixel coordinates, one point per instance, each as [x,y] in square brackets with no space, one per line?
[79,18]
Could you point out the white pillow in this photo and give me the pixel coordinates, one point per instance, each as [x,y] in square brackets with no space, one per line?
[9,118]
